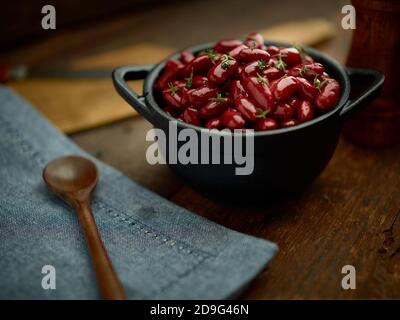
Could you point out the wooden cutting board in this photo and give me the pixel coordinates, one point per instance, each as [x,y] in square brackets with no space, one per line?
[79,104]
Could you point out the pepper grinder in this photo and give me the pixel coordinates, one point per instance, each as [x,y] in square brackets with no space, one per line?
[376,45]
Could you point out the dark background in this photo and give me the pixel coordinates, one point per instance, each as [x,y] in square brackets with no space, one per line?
[20,20]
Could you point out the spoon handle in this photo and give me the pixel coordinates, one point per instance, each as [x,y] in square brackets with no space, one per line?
[110,286]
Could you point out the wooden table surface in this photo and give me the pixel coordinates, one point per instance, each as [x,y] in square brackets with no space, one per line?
[348,216]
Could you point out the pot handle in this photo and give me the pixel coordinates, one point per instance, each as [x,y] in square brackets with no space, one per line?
[373,79]
[120,77]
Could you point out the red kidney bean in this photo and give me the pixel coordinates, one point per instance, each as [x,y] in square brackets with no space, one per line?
[171,111]
[179,84]
[185,102]
[265,124]
[314,68]
[215,123]
[232,119]
[308,59]
[249,54]
[191,115]
[173,65]
[289,123]
[246,107]
[258,89]
[201,95]
[297,71]
[186,57]
[255,40]
[328,97]
[273,50]
[285,88]
[173,97]
[308,71]
[171,72]
[324,75]
[199,81]
[273,61]
[238,74]
[306,90]
[295,102]
[224,46]
[284,111]
[252,68]
[224,87]
[198,66]
[236,89]
[214,108]
[272,85]
[235,52]
[272,73]
[305,111]
[291,56]
[221,71]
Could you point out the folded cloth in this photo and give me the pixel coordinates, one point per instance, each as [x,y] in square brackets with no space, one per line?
[159,250]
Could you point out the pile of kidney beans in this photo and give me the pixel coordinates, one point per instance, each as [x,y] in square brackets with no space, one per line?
[245,84]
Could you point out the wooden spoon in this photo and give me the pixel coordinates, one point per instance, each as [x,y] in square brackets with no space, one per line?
[73,179]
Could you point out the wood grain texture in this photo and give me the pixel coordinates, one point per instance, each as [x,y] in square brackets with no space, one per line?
[345,217]
[74,105]
[377,35]
[308,32]
[350,215]
[141,53]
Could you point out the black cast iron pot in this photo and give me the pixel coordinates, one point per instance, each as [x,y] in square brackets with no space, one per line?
[285,160]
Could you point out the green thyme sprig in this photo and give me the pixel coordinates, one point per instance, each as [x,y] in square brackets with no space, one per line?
[212,54]
[280,64]
[262,64]
[189,80]
[320,84]
[261,79]
[219,98]
[300,49]
[226,61]
[261,113]
[173,89]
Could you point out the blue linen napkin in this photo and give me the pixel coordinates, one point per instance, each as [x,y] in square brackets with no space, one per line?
[159,250]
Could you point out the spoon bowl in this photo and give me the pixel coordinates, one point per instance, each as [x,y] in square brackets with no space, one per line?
[71,174]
